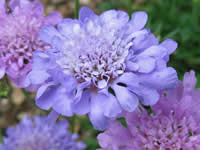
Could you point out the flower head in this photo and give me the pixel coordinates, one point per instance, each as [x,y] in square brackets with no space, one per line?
[40,133]
[101,65]
[19,29]
[174,126]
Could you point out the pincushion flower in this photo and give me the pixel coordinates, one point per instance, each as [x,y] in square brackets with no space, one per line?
[40,133]
[19,29]
[101,65]
[174,126]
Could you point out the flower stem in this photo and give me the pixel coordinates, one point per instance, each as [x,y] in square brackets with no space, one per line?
[76,8]
[73,123]
[1,136]
[28,97]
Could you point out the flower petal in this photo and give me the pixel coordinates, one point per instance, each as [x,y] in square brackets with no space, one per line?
[40,60]
[18,3]
[108,142]
[63,105]
[43,88]
[46,97]
[96,115]
[148,96]
[164,79]
[37,8]
[53,18]
[69,27]
[36,77]
[144,41]
[145,64]
[170,45]
[2,6]
[154,51]
[80,88]
[189,81]
[128,78]
[83,106]
[58,98]
[139,19]
[127,100]
[47,33]
[112,107]
[132,66]
[2,72]
[114,20]
[85,13]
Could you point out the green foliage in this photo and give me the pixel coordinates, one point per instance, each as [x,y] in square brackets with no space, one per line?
[88,134]
[5,89]
[122,121]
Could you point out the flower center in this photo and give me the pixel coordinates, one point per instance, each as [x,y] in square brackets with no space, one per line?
[19,49]
[95,60]
[169,133]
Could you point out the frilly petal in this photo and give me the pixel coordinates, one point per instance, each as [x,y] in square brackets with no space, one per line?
[139,19]
[164,79]
[189,81]
[47,33]
[83,106]
[46,96]
[69,27]
[2,6]
[96,115]
[112,107]
[18,3]
[143,64]
[53,18]
[36,77]
[170,45]
[114,20]
[109,142]
[148,95]
[2,72]
[85,13]
[128,100]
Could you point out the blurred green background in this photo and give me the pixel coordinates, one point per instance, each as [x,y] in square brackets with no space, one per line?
[175,19]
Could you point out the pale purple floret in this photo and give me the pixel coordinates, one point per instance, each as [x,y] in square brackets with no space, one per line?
[175,126]
[40,133]
[19,27]
[101,65]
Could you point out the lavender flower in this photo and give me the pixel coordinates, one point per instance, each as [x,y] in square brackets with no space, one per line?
[174,127]
[19,36]
[101,65]
[40,133]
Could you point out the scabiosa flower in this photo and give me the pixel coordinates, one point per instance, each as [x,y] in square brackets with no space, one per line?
[40,133]
[19,29]
[173,126]
[101,65]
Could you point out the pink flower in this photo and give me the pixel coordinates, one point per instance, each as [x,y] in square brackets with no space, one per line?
[174,126]
[19,27]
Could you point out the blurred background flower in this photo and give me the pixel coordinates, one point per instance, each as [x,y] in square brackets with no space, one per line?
[174,123]
[40,133]
[20,23]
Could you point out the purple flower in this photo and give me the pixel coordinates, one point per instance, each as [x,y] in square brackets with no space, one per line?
[19,29]
[101,65]
[175,126]
[40,133]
